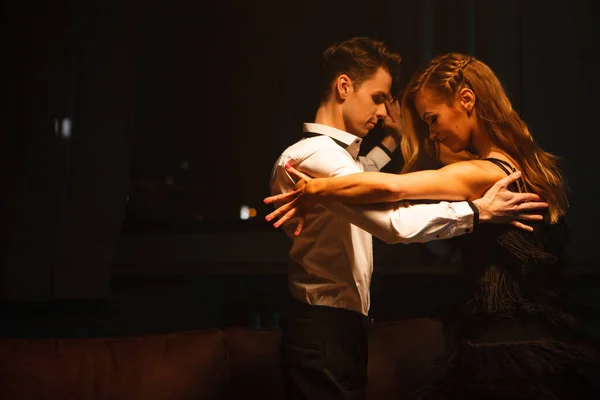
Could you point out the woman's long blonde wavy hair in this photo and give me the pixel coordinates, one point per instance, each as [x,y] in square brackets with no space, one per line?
[443,78]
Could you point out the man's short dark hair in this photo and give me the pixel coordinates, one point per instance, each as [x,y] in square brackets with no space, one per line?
[359,58]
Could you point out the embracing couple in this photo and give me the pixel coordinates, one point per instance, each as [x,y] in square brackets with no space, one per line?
[496,191]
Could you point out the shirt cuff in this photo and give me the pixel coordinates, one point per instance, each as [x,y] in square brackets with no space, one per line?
[466,214]
[385,149]
[475,215]
[379,157]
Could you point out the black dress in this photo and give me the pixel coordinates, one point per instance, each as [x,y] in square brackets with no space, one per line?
[515,335]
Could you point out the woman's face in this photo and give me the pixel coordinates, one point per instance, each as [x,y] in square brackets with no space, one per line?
[450,125]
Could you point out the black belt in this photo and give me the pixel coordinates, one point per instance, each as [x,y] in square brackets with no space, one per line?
[338,316]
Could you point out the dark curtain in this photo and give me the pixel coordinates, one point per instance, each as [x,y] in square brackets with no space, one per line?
[73,93]
[101,91]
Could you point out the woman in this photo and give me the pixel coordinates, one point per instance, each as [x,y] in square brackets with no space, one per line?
[515,334]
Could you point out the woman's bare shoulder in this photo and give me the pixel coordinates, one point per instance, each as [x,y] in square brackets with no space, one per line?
[478,168]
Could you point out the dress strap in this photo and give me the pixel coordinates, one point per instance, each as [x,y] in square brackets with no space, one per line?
[506,167]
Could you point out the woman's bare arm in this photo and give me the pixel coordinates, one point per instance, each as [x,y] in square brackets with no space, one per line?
[458,181]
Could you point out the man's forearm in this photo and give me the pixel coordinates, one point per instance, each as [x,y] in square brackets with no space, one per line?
[482,211]
[395,223]
[379,156]
[390,143]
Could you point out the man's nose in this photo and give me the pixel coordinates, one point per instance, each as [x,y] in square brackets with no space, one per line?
[381,112]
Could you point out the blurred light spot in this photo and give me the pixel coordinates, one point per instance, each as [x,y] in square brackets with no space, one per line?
[252,212]
[169,180]
[184,164]
[65,130]
[244,212]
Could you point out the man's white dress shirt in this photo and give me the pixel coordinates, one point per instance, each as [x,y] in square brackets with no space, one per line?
[332,258]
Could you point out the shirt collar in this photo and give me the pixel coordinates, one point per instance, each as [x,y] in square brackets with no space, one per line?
[351,141]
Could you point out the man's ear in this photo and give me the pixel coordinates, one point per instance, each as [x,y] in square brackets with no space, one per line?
[343,85]
[467,99]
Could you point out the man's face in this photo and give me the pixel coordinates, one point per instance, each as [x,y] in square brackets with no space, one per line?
[363,108]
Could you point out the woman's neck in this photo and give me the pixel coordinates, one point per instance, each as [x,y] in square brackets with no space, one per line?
[481,143]
[491,151]
[482,146]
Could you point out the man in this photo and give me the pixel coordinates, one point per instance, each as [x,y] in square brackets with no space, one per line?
[324,342]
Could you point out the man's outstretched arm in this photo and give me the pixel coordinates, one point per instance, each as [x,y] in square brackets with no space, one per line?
[401,223]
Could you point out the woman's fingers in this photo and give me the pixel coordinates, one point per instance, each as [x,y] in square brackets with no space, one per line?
[287,197]
[292,206]
[296,173]
[286,217]
[280,210]
[300,225]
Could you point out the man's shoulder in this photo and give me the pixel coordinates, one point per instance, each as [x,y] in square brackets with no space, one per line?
[308,146]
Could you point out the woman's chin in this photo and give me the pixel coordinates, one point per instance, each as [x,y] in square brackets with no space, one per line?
[456,148]
[453,149]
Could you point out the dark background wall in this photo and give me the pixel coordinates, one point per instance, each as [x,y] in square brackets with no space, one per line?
[136,131]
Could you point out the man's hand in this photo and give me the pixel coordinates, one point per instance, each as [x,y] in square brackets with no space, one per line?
[501,206]
[391,122]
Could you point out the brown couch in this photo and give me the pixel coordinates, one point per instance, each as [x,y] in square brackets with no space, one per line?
[238,363]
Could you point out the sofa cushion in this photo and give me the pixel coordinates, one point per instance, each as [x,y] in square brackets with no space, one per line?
[399,354]
[178,366]
[210,364]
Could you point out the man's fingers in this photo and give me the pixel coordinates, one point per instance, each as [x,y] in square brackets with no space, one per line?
[393,109]
[388,106]
[531,217]
[522,226]
[505,182]
[529,206]
[527,197]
